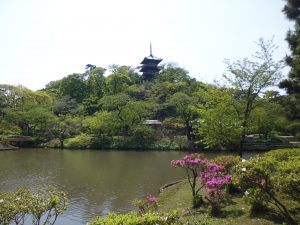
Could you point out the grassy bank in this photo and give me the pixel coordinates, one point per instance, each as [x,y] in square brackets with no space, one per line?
[178,197]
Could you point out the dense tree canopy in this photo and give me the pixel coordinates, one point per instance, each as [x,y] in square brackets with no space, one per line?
[115,108]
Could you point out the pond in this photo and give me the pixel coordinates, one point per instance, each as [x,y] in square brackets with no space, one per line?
[96,182]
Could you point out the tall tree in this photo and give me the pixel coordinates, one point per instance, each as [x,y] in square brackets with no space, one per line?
[74,86]
[219,124]
[292,84]
[96,81]
[27,109]
[184,108]
[250,78]
[63,127]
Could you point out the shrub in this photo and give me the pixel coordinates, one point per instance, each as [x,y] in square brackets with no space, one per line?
[257,199]
[142,135]
[193,165]
[148,204]
[283,154]
[43,206]
[102,142]
[197,201]
[228,161]
[54,143]
[212,177]
[257,178]
[164,144]
[134,218]
[287,178]
[294,127]
[215,180]
[79,142]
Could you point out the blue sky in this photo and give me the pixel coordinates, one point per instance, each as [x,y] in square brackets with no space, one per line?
[45,40]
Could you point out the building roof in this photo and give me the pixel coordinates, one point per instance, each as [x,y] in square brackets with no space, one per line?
[151,58]
[149,69]
[152,122]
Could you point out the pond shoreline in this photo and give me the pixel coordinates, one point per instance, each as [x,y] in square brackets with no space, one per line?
[5,147]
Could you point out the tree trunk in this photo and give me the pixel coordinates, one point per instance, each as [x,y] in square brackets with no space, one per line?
[242,141]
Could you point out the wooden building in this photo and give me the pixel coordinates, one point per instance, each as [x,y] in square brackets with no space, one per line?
[150,65]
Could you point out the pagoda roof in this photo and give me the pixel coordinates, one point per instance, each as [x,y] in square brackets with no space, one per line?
[151,58]
[149,69]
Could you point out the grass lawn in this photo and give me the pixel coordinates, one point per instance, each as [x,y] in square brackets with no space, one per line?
[179,197]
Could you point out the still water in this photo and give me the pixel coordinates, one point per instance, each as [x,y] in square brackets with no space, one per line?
[96,182]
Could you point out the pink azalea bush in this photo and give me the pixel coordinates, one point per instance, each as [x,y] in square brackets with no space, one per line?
[212,177]
[152,200]
[215,180]
[193,165]
[148,204]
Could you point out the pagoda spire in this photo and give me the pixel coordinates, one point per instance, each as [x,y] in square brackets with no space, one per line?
[151,49]
[150,65]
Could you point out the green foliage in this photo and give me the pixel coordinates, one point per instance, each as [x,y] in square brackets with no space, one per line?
[228,161]
[174,143]
[91,105]
[81,141]
[112,109]
[266,118]
[145,206]
[74,86]
[8,128]
[283,154]
[32,120]
[63,127]
[288,178]
[264,177]
[197,201]
[137,219]
[43,206]
[65,105]
[102,142]
[184,107]
[137,92]
[292,85]
[250,78]
[255,177]
[117,83]
[257,199]
[294,127]
[96,82]
[114,102]
[142,135]
[219,123]
[101,123]
[27,110]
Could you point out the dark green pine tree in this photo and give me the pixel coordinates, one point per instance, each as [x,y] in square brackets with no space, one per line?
[292,83]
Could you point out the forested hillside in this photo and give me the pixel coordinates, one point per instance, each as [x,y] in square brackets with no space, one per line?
[115,108]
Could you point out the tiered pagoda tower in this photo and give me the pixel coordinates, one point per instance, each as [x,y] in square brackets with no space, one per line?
[149,65]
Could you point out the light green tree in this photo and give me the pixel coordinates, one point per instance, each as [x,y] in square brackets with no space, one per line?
[63,127]
[219,123]
[250,78]
[185,108]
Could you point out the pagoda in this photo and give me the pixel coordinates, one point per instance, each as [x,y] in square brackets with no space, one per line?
[149,65]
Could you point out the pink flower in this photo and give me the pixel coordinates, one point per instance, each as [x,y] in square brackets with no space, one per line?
[152,199]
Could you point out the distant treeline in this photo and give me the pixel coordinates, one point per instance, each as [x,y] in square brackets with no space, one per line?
[170,111]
